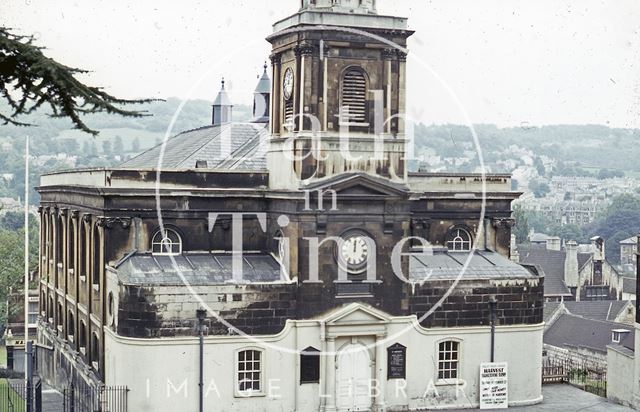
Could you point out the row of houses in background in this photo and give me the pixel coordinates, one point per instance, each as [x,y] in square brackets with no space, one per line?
[577,199]
[579,272]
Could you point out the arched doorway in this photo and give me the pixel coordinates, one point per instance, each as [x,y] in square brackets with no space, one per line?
[353,378]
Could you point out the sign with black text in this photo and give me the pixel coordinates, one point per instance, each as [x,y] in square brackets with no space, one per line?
[494,385]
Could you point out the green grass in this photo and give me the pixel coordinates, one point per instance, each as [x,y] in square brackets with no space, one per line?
[10,400]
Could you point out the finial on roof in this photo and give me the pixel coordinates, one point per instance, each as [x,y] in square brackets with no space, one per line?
[222,82]
[265,66]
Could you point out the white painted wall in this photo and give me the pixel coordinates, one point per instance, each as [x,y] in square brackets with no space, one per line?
[620,376]
[167,369]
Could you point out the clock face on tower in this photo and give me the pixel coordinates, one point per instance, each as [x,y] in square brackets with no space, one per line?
[287,84]
[353,252]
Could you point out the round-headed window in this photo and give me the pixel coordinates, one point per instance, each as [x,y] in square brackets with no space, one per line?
[166,242]
[459,240]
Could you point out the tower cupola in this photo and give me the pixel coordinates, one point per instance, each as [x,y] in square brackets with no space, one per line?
[222,107]
[262,98]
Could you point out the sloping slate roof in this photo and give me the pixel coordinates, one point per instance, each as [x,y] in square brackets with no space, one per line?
[570,331]
[583,259]
[629,285]
[539,237]
[198,268]
[597,310]
[228,146]
[549,309]
[552,264]
[630,241]
[444,265]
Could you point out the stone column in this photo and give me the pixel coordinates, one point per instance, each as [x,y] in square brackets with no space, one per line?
[381,379]
[330,382]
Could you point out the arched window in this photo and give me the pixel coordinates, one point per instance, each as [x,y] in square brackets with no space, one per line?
[71,325]
[354,97]
[459,240]
[50,239]
[50,309]
[82,339]
[71,245]
[249,372]
[97,257]
[59,240]
[59,315]
[83,244]
[95,348]
[166,242]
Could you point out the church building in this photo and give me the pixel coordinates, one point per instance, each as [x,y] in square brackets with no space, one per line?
[332,278]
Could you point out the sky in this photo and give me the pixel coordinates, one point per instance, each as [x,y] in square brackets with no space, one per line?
[511,63]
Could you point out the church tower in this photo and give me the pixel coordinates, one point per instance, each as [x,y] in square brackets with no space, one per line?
[222,107]
[261,98]
[338,93]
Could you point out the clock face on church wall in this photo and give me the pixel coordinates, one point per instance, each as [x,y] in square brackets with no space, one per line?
[287,84]
[353,252]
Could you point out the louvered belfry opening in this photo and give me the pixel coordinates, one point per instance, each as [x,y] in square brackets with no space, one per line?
[288,113]
[354,97]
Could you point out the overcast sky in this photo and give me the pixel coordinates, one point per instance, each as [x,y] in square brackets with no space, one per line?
[510,62]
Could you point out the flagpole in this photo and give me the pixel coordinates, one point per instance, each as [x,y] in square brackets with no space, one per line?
[26,258]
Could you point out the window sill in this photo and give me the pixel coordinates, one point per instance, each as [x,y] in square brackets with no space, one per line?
[251,394]
[449,382]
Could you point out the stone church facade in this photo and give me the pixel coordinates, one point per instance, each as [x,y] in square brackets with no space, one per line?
[315,313]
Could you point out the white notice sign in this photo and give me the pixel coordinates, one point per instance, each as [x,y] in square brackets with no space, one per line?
[493,385]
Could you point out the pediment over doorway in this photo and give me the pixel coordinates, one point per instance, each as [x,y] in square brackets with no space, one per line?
[356,314]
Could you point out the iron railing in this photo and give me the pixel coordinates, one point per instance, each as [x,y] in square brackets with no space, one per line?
[12,396]
[85,398]
[587,376]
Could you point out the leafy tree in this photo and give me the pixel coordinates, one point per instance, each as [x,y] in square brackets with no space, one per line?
[539,188]
[618,221]
[522,224]
[567,232]
[15,220]
[12,267]
[29,79]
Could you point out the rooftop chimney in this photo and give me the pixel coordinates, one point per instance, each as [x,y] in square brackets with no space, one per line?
[553,243]
[598,247]
[571,264]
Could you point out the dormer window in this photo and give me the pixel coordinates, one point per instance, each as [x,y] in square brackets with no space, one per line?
[459,240]
[617,335]
[166,242]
